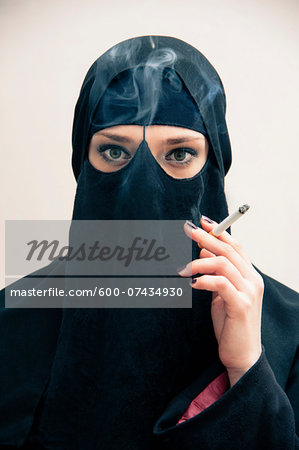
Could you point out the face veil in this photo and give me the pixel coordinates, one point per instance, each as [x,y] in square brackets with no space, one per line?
[118,368]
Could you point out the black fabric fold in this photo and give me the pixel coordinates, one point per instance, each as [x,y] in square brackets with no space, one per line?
[254,413]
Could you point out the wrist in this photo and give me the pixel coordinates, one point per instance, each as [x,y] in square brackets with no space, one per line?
[234,374]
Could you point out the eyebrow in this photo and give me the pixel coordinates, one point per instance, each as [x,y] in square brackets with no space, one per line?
[179,140]
[174,140]
[116,137]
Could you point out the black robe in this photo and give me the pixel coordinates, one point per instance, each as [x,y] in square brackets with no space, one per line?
[141,411]
[121,378]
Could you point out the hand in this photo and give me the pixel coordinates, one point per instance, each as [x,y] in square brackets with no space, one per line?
[237,297]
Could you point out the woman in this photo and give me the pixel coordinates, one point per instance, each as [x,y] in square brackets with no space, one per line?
[150,142]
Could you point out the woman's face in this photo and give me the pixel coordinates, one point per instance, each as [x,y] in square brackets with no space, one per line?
[180,152]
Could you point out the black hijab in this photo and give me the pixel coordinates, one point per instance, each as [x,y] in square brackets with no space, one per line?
[199,76]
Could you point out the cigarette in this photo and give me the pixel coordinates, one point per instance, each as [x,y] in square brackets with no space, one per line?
[229,220]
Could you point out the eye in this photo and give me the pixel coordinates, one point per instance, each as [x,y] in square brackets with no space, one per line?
[181,155]
[112,153]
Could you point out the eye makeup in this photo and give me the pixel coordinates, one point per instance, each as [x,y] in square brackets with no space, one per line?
[182,150]
[117,149]
[115,157]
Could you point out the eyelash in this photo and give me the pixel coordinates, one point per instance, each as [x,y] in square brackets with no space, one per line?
[192,152]
[105,147]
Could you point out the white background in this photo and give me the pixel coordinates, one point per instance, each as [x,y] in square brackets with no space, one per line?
[46,50]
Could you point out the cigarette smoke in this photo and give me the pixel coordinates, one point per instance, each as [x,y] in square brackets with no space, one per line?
[134,94]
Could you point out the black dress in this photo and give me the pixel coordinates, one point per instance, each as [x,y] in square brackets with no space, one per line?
[120,379]
[140,410]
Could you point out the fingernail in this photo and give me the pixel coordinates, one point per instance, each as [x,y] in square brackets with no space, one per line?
[207,219]
[179,269]
[191,225]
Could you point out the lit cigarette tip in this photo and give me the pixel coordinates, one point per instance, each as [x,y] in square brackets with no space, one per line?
[244,208]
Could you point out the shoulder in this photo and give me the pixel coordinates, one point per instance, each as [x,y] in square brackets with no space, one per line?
[280,331]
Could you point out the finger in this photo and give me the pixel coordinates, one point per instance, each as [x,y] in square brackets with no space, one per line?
[204,253]
[219,248]
[218,265]
[224,237]
[227,238]
[235,303]
[218,310]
